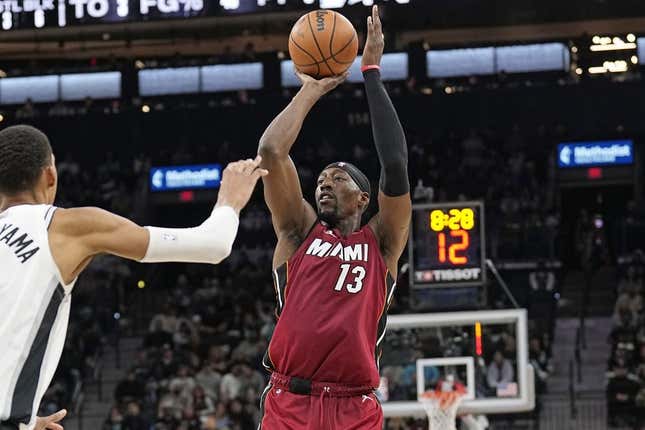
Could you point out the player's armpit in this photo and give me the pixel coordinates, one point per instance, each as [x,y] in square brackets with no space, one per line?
[392,226]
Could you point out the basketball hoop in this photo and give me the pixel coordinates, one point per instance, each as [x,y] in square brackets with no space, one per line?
[441,408]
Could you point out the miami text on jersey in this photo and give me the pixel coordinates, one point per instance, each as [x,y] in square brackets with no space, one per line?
[322,249]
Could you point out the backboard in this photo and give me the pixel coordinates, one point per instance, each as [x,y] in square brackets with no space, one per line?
[487,351]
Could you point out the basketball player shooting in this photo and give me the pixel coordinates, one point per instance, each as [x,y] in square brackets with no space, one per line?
[43,250]
[334,278]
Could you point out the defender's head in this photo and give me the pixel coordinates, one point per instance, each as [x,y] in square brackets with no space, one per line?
[27,165]
[343,191]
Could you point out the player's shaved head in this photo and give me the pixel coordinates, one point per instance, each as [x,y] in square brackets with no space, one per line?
[24,152]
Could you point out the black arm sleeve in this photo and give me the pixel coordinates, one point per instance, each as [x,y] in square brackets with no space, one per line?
[389,138]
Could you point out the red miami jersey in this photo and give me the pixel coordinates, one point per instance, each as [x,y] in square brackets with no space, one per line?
[333,295]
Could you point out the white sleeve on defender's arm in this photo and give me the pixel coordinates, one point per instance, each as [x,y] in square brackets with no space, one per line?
[211,242]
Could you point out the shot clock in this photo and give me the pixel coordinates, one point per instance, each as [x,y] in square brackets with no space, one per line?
[447,245]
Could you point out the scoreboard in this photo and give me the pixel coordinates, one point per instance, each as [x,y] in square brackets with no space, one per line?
[447,245]
[35,14]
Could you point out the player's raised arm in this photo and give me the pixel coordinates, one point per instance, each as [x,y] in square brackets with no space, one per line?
[76,235]
[392,223]
[291,214]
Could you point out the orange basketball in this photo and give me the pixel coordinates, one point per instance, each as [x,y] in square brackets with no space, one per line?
[323,43]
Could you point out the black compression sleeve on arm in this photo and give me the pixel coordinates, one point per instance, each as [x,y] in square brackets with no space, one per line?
[389,138]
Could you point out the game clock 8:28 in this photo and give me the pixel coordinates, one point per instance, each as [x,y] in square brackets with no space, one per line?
[459,222]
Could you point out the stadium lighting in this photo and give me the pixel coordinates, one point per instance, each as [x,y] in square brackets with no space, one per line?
[1,118]
[145,109]
[141,284]
[611,44]
[139,64]
[634,59]
[609,67]
[631,38]
[449,90]
[574,49]
[578,71]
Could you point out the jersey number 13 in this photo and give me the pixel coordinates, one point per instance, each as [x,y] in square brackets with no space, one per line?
[357,284]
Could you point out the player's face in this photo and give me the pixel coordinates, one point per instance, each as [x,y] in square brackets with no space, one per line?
[337,196]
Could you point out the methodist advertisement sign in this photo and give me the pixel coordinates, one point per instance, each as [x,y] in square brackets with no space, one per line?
[596,153]
[178,178]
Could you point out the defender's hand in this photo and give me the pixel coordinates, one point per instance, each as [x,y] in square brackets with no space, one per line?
[238,181]
[319,87]
[375,42]
[50,422]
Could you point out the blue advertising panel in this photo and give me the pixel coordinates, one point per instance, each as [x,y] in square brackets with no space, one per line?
[394,67]
[232,77]
[596,153]
[177,178]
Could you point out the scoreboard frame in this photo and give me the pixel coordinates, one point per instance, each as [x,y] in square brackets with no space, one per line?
[479,204]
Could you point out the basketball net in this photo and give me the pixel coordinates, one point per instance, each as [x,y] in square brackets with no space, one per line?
[441,408]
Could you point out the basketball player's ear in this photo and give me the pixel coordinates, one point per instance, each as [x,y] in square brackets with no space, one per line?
[51,176]
[364,200]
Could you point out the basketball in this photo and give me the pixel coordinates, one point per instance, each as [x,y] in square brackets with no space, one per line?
[323,43]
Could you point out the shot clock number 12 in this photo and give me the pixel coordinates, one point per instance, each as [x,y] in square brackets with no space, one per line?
[456,224]
[447,244]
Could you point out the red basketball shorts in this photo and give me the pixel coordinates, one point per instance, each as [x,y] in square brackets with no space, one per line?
[327,407]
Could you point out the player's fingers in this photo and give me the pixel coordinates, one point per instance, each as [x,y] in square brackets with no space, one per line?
[54,426]
[341,78]
[57,416]
[258,160]
[248,165]
[302,77]
[236,166]
[259,173]
[370,26]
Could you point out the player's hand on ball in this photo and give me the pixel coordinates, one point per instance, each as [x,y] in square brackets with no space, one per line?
[50,422]
[320,87]
[375,42]
[238,181]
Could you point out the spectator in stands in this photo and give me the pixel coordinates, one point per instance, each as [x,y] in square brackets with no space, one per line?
[202,404]
[623,335]
[183,384]
[542,279]
[133,420]
[500,371]
[231,384]
[630,303]
[115,420]
[540,362]
[129,389]
[621,394]
[209,380]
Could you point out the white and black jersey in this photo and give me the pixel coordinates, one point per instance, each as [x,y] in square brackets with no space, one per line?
[34,312]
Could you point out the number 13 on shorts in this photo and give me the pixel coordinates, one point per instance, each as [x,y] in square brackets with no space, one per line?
[356,281]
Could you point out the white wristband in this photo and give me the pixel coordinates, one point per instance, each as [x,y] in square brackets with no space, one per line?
[211,242]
